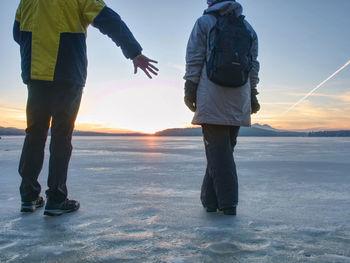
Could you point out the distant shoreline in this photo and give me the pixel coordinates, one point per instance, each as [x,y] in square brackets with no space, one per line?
[255,131]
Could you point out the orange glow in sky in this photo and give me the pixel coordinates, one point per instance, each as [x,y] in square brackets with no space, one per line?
[154,108]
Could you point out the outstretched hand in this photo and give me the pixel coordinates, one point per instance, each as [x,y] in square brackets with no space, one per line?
[144,63]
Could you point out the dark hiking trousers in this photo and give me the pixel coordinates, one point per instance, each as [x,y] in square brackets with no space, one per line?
[58,104]
[220,185]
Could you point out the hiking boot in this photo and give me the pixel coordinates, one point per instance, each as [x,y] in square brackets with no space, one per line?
[231,211]
[56,209]
[30,207]
[211,209]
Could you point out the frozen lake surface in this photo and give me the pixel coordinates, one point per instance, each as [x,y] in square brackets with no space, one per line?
[140,203]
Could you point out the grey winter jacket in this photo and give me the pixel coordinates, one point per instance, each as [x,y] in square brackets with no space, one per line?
[216,104]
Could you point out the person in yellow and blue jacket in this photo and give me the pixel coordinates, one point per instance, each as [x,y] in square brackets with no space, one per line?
[52,39]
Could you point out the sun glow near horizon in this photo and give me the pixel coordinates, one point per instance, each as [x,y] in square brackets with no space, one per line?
[145,107]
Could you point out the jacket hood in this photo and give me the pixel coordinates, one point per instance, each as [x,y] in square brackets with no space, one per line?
[226,7]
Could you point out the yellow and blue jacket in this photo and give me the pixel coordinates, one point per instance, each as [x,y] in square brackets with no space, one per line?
[52,37]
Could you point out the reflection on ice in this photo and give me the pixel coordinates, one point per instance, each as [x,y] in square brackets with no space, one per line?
[98,169]
[6,246]
[140,203]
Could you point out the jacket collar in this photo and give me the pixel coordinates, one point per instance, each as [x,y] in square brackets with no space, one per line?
[225,7]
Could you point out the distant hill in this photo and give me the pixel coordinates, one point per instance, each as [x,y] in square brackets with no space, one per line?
[11,131]
[264,127]
[15,132]
[345,133]
[256,130]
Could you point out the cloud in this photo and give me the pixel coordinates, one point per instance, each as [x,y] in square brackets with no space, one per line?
[11,109]
[342,97]
[314,116]
[345,96]
[12,116]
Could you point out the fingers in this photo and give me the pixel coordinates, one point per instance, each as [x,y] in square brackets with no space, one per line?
[148,69]
[146,72]
[152,71]
[153,67]
[152,61]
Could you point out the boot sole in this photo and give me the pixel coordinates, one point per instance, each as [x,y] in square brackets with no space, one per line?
[58,212]
[230,212]
[30,208]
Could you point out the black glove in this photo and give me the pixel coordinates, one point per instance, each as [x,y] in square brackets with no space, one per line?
[191,95]
[254,101]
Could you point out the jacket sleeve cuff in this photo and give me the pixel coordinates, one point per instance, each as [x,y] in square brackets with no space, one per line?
[139,55]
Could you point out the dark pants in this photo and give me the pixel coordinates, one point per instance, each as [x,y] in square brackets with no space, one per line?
[58,104]
[220,184]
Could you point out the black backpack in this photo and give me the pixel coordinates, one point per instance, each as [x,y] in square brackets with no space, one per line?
[230,44]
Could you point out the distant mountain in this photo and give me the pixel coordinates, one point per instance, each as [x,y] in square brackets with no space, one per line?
[256,130]
[264,127]
[180,132]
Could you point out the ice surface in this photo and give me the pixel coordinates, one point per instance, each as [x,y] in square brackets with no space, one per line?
[140,203]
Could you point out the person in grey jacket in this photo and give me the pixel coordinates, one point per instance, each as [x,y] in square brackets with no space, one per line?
[221,111]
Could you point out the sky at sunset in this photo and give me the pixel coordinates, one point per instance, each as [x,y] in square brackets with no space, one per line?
[301,44]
